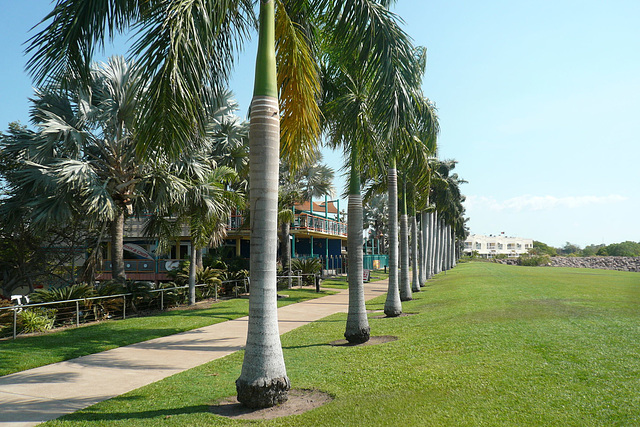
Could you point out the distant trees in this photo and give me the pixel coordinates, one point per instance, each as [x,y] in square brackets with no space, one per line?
[540,248]
[627,249]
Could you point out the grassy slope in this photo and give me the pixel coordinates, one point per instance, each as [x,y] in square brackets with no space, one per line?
[489,345]
[30,352]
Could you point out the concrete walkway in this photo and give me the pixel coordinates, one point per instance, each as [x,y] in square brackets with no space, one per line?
[41,394]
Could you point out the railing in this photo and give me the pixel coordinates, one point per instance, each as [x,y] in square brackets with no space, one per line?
[307,222]
[85,310]
[302,222]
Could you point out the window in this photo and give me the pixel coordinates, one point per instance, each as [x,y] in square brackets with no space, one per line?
[478,245]
[491,245]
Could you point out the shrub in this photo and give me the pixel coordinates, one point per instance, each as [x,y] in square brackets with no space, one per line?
[36,320]
[534,260]
[235,282]
[173,297]
[66,312]
[307,266]
[75,291]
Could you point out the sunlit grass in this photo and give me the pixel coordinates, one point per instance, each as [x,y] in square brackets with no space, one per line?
[489,345]
[33,351]
[340,282]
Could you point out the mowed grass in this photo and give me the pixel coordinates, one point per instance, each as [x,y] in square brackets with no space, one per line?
[488,345]
[33,351]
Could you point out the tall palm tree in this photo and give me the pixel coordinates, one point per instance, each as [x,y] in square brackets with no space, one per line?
[347,110]
[83,156]
[263,381]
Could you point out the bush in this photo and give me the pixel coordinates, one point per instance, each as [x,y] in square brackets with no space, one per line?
[66,312]
[235,281]
[76,291]
[307,266]
[36,320]
[173,297]
[534,260]
[6,316]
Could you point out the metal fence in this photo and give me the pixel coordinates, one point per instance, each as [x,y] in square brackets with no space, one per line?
[75,312]
[336,265]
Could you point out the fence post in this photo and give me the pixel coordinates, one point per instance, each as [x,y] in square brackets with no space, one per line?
[77,314]
[15,322]
[162,300]
[124,307]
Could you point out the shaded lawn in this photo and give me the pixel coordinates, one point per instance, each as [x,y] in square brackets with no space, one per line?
[488,345]
[33,351]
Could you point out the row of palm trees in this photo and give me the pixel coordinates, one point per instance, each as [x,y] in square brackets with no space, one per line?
[343,68]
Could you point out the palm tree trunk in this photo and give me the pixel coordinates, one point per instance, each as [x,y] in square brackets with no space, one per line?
[421,250]
[263,381]
[405,285]
[193,260]
[392,305]
[424,226]
[285,245]
[434,242]
[415,284]
[199,261]
[430,246]
[357,330]
[117,243]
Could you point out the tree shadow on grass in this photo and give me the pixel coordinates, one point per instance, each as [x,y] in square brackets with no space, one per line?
[88,415]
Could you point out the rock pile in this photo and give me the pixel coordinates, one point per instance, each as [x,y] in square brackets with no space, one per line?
[601,262]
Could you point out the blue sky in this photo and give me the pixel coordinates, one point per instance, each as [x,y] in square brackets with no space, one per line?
[539,101]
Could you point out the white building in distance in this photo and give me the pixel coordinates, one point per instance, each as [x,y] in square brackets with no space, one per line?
[490,246]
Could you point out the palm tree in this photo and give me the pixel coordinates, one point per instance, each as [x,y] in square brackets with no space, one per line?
[347,110]
[179,41]
[83,156]
[297,185]
[201,202]
[263,381]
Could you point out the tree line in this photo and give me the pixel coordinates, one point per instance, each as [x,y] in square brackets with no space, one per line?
[128,136]
[626,249]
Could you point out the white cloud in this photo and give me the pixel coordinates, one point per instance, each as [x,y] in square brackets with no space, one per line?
[539,203]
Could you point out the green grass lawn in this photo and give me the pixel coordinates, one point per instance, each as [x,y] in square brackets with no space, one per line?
[489,345]
[340,282]
[33,351]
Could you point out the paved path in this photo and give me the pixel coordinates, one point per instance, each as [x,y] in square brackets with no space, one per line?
[40,394]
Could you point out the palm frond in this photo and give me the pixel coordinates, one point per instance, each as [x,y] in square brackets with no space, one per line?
[299,85]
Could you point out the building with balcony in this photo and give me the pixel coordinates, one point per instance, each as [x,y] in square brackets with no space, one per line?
[317,231]
[490,246]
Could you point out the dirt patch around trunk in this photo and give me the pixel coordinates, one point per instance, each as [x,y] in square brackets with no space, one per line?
[299,402]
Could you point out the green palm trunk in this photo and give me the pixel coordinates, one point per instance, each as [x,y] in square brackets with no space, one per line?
[357,330]
[263,381]
[393,305]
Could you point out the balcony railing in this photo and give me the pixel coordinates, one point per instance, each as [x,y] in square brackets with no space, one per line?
[303,222]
